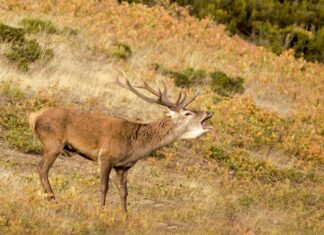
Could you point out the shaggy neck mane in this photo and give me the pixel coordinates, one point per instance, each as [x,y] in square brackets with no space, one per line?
[152,136]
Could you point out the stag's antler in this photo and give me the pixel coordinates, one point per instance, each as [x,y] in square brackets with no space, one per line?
[161,95]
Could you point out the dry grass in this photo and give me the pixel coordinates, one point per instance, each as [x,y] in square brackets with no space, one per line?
[166,196]
[259,172]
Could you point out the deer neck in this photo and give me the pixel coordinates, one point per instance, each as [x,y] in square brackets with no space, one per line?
[152,136]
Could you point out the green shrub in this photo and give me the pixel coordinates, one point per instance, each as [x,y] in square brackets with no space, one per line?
[187,77]
[122,51]
[217,153]
[180,79]
[225,85]
[296,38]
[34,25]
[279,39]
[314,50]
[22,51]
[10,34]
[267,35]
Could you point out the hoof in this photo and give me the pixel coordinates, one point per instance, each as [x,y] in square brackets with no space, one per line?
[124,216]
[49,196]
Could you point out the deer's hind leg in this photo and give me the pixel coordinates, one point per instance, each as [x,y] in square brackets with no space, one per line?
[52,150]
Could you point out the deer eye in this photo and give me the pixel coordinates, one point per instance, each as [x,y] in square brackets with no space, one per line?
[188,114]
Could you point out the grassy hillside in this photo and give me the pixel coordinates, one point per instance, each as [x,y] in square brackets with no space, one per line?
[275,24]
[259,172]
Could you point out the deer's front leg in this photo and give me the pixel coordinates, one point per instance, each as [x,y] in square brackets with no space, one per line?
[105,169]
[122,183]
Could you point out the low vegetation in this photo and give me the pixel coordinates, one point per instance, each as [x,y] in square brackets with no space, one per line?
[243,126]
[225,85]
[36,25]
[10,34]
[220,83]
[122,51]
[21,50]
[186,78]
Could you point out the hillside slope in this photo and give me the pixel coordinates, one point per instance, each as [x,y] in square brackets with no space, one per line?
[259,172]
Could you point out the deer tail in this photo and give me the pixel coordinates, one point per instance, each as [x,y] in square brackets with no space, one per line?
[33,119]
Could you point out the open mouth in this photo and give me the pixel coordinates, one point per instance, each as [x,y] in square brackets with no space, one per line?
[204,123]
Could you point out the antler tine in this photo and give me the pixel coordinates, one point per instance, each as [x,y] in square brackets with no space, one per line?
[123,72]
[179,98]
[119,83]
[129,87]
[164,98]
[147,87]
[186,103]
[184,97]
[165,91]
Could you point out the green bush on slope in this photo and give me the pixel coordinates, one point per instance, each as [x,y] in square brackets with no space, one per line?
[187,77]
[34,25]
[10,34]
[122,51]
[225,85]
[22,51]
[220,83]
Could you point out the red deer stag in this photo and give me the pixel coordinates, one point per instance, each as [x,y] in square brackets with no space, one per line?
[114,142]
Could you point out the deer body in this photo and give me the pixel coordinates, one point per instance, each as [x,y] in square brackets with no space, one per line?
[115,143]
[95,134]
